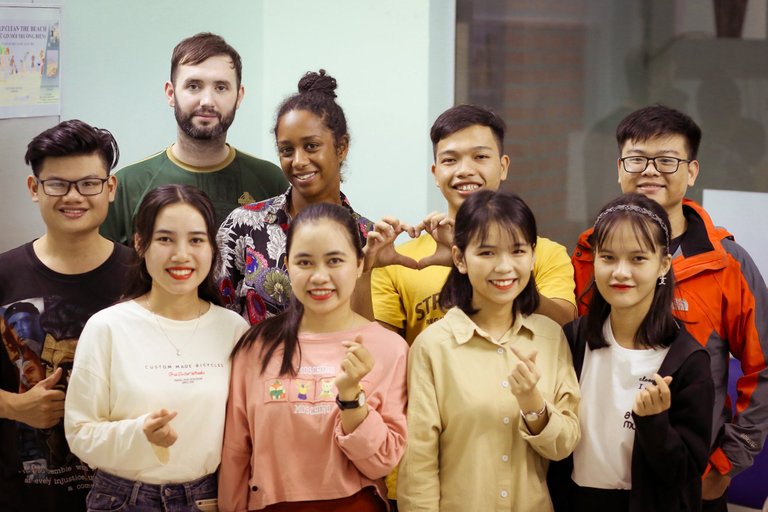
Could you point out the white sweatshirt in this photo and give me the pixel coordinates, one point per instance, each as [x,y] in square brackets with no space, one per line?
[125,368]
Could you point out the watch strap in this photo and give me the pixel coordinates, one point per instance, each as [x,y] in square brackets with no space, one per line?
[359,401]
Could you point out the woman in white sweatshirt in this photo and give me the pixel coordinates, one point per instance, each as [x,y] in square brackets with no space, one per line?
[148,391]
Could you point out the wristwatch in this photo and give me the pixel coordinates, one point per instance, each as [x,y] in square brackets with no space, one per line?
[351,404]
[534,415]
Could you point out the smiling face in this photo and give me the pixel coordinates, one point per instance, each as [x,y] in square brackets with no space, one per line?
[310,157]
[626,270]
[73,213]
[498,267]
[205,97]
[179,256]
[323,267]
[467,161]
[666,189]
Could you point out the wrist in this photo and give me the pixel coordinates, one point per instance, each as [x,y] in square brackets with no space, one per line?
[356,403]
[7,405]
[369,261]
[349,393]
[531,402]
[533,416]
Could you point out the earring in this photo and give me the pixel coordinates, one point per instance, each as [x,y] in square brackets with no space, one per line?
[662,280]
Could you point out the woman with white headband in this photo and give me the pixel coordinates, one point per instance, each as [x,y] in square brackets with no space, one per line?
[647,391]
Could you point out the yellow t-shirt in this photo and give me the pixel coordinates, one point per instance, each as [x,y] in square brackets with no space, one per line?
[404,297]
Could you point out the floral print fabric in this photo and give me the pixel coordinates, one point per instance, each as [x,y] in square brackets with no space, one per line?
[252,277]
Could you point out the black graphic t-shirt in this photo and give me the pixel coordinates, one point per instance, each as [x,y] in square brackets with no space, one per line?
[42,314]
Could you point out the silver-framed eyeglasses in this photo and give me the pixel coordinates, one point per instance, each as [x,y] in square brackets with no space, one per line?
[663,164]
[86,186]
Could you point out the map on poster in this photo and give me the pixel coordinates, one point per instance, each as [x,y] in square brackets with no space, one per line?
[29,61]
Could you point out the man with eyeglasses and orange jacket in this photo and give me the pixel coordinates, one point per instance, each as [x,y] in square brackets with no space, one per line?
[721,296]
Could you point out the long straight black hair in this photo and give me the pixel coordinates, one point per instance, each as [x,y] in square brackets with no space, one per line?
[475,217]
[282,331]
[658,328]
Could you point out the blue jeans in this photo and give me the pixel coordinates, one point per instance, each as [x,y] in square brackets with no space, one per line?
[111,493]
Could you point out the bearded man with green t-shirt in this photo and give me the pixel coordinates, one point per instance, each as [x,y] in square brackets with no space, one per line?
[205,90]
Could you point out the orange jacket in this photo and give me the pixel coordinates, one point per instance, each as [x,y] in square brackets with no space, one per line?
[723,300]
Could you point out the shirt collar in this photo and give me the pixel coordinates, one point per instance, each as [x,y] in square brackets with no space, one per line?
[283,201]
[464,329]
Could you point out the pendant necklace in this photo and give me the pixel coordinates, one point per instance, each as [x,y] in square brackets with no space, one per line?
[168,338]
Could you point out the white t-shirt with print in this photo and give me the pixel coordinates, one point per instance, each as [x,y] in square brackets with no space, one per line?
[611,378]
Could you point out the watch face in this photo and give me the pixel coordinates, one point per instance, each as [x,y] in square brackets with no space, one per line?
[361,398]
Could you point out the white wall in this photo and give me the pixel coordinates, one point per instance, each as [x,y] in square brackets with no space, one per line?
[383,57]
[117,58]
[393,61]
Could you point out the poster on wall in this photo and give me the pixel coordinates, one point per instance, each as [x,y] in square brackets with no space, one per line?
[29,61]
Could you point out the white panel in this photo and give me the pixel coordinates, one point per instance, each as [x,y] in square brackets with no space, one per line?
[743,214]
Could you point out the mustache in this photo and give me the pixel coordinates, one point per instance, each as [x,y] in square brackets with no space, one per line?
[201,111]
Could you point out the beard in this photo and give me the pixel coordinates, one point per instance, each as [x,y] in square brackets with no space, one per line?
[216,131]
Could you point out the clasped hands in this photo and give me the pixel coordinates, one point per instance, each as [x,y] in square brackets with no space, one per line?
[380,250]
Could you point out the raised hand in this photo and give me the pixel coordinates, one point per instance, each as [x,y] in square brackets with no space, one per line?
[525,375]
[654,399]
[357,363]
[379,247]
[41,406]
[440,227]
[158,429]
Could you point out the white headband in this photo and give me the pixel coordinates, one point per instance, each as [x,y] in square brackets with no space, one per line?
[641,211]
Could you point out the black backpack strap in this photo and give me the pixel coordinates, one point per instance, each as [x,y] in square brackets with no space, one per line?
[561,487]
[576,334]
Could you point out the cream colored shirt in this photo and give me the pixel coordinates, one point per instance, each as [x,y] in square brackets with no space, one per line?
[126,367]
[468,448]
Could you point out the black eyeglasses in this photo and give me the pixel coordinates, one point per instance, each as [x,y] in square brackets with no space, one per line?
[85,186]
[663,164]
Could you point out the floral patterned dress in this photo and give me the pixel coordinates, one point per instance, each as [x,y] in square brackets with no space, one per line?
[252,277]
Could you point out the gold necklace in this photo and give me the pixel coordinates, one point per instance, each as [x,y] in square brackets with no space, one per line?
[168,338]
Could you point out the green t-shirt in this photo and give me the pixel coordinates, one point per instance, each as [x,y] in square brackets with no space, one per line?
[240,179]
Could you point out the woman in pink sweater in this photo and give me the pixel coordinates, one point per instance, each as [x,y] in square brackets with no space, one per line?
[316,412]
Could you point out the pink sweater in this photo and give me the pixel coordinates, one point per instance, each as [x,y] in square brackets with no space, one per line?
[283,439]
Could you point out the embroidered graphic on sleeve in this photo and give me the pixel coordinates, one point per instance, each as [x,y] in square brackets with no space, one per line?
[275,391]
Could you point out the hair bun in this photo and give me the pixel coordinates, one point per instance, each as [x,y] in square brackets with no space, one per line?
[317,82]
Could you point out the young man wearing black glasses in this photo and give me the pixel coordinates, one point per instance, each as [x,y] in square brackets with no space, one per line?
[720,297]
[63,277]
